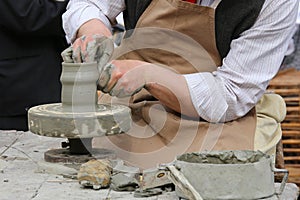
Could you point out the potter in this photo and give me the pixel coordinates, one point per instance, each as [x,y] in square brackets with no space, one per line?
[203,79]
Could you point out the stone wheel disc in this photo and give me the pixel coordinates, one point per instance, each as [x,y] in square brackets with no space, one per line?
[52,121]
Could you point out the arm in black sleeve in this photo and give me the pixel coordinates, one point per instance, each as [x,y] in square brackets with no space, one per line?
[40,17]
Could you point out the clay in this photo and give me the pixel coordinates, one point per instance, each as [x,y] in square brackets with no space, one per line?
[118,89]
[98,49]
[224,157]
[124,182]
[79,115]
[124,177]
[228,174]
[79,89]
[67,55]
[105,76]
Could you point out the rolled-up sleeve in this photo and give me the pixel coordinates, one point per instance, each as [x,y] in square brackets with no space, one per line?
[80,11]
[253,60]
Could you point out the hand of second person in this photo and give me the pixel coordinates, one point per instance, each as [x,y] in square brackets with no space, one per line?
[123,78]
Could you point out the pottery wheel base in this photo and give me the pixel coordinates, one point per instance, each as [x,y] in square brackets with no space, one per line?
[63,155]
[53,121]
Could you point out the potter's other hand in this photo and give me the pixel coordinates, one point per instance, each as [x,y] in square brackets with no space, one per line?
[123,78]
[93,48]
[67,55]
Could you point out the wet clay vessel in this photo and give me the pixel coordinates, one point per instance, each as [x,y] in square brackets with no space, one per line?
[79,115]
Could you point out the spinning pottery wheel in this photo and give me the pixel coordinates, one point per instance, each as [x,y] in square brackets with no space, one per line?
[79,117]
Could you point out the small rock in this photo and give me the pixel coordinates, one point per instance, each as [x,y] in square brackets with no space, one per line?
[5,180]
[95,174]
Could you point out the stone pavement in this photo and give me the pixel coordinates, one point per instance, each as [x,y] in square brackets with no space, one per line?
[24,175]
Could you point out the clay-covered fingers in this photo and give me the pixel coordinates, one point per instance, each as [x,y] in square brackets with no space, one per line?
[121,89]
[122,78]
[129,84]
[105,81]
[93,48]
[67,55]
[76,47]
[104,48]
[98,48]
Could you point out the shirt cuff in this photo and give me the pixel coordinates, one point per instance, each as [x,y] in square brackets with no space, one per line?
[73,20]
[207,96]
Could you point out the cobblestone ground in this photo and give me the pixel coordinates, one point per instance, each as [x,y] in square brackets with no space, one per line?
[24,175]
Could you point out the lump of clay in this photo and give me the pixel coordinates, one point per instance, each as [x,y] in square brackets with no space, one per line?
[95,174]
[224,157]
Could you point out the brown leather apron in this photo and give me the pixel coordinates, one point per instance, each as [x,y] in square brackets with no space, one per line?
[181,36]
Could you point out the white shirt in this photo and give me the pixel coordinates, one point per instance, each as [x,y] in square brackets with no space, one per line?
[253,60]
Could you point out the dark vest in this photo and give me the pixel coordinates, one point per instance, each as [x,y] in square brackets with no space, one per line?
[232,18]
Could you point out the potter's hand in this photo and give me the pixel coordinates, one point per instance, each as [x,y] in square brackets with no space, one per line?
[90,48]
[67,55]
[123,78]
